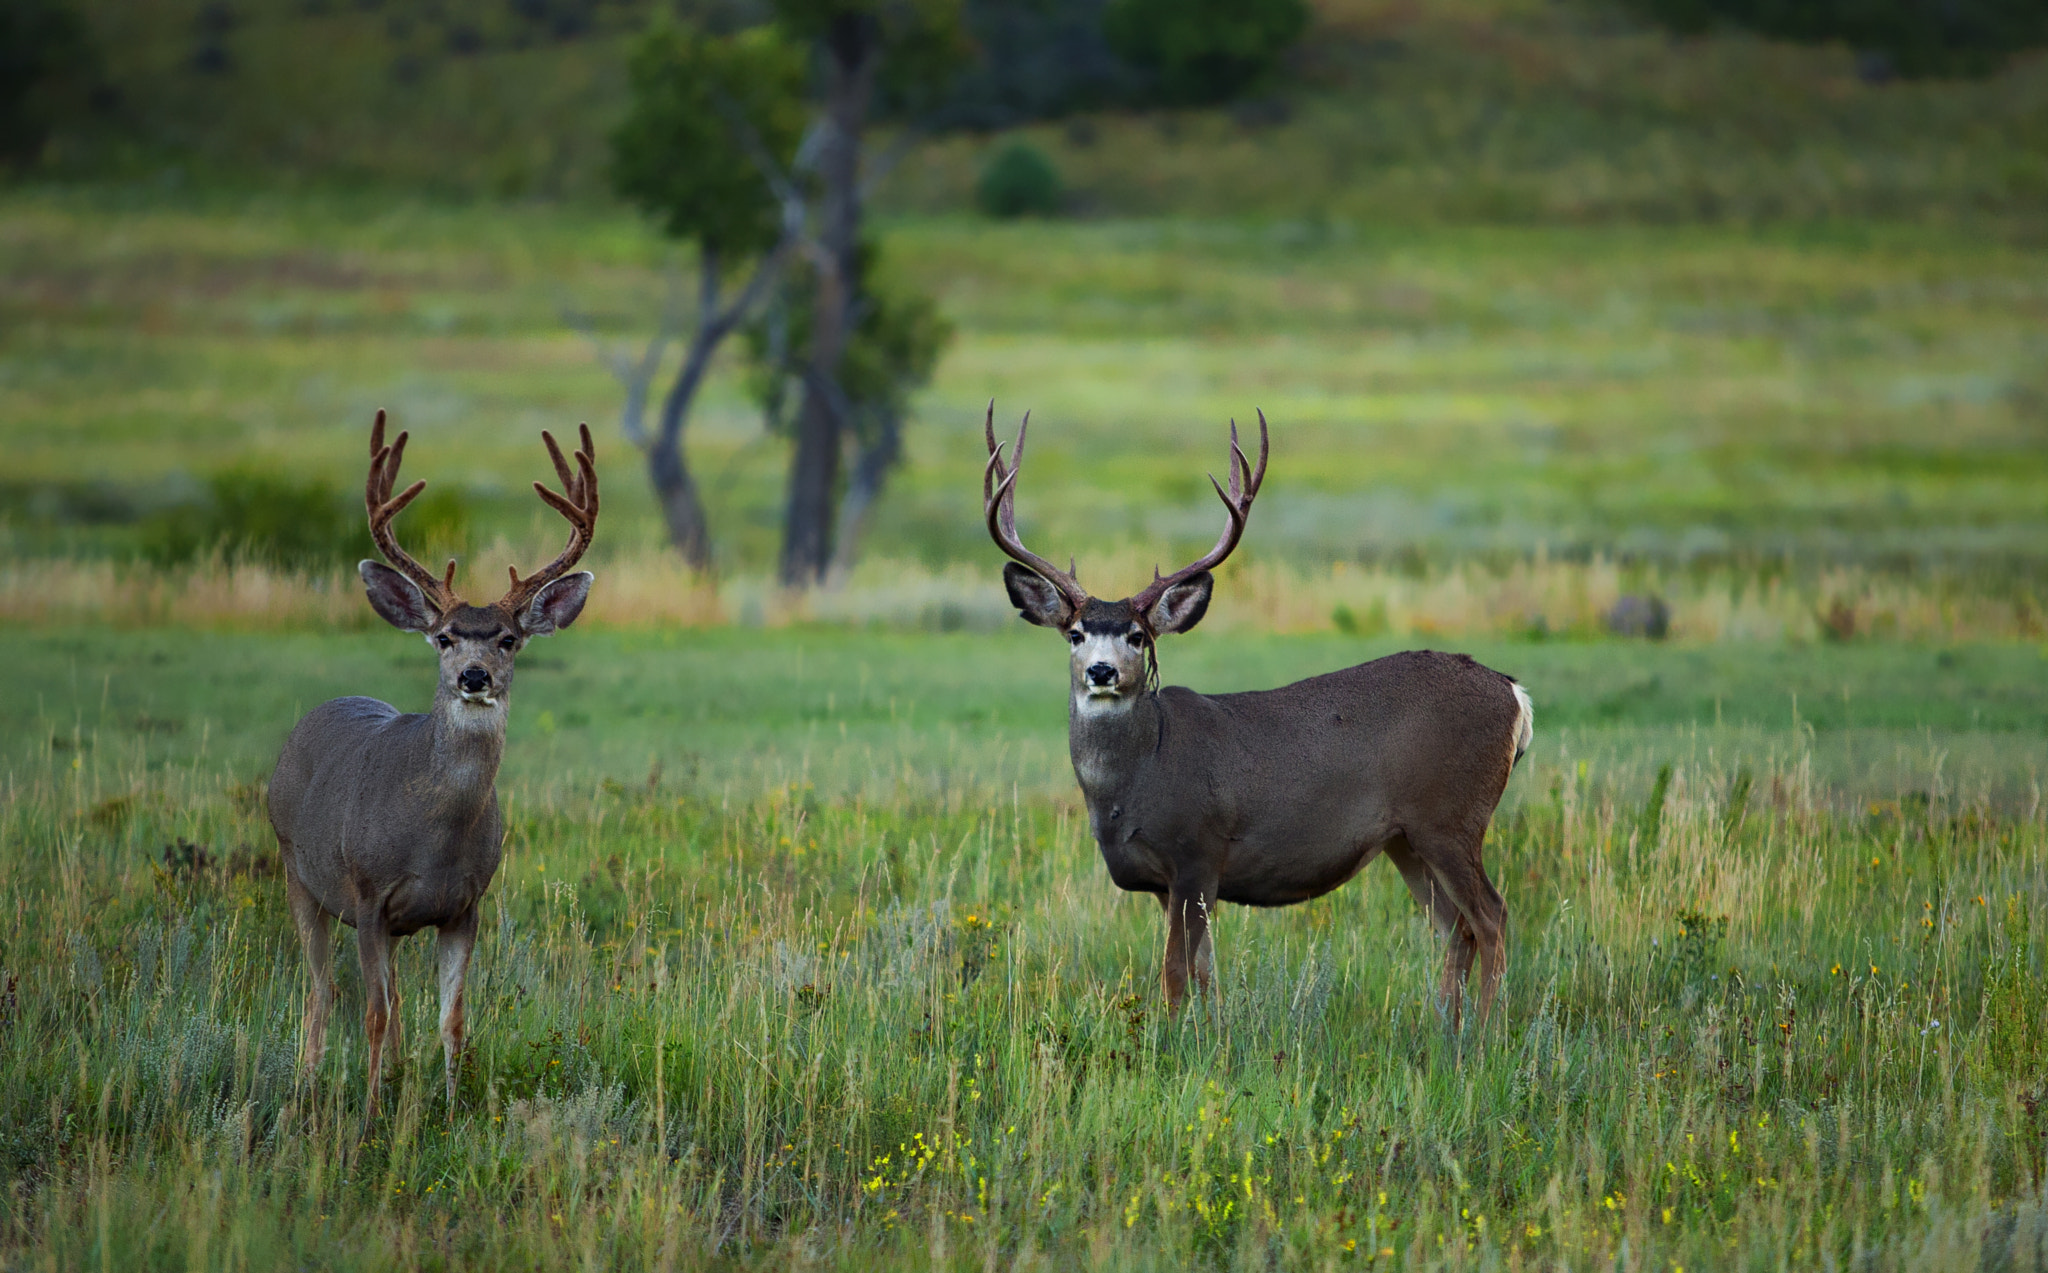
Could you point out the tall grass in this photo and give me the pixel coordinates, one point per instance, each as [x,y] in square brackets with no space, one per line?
[1744,1029]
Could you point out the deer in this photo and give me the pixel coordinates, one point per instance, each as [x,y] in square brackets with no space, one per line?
[388,820]
[1270,797]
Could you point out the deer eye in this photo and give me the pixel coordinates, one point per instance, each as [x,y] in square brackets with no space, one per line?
[508,643]
[1073,638]
[445,640]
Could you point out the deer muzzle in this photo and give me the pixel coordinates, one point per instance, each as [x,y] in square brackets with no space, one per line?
[475,683]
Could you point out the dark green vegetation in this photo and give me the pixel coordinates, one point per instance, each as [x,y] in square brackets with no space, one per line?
[800,951]
[1201,52]
[1018,181]
[1473,110]
[1916,37]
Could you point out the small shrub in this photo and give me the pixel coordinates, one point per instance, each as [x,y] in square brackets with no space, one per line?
[1019,181]
[257,517]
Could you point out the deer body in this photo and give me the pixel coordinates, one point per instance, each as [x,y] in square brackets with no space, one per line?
[391,812]
[388,820]
[1279,796]
[1272,797]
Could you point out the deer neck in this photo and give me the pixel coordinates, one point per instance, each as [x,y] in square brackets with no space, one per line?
[469,741]
[1110,741]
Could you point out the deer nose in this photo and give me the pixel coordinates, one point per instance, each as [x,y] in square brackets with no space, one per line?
[1101,674]
[474,680]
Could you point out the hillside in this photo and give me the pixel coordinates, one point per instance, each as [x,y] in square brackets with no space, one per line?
[1392,111]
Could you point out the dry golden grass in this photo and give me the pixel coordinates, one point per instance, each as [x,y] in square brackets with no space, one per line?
[650,589]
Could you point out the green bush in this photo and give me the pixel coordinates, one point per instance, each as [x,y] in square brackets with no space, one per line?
[251,516]
[1019,181]
[1201,52]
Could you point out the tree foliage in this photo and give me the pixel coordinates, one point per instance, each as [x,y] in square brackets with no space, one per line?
[45,47]
[893,348]
[1035,59]
[1917,37]
[1200,52]
[700,103]
[920,42]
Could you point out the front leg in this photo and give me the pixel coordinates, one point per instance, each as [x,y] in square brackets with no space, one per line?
[458,939]
[373,944]
[1188,950]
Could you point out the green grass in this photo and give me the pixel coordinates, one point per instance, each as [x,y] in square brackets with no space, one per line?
[843,982]
[1679,395]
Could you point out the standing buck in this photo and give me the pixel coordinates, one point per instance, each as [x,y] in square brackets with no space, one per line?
[389,820]
[1275,796]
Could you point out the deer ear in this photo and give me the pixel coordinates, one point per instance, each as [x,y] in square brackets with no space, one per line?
[557,605]
[1036,600]
[396,599]
[1182,606]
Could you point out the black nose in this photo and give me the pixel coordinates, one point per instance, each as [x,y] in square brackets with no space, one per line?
[474,680]
[1101,674]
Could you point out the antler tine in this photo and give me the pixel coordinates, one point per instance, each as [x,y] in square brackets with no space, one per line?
[578,505]
[999,496]
[382,508]
[1237,508]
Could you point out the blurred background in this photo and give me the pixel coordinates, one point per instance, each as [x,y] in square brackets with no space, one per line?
[1710,318]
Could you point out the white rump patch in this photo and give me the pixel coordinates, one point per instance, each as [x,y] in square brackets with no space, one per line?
[1525,724]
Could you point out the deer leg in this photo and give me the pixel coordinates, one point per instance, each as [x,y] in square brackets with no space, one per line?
[457,940]
[373,943]
[1174,974]
[1201,946]
[394,1024]
[1482,915]
[312,923]
[1436,902]
[1187,941]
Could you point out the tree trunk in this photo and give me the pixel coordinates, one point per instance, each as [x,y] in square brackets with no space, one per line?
[863,488]
[852,46]
[674,489]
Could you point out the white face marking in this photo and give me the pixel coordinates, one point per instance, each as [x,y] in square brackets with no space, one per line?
[1119,652]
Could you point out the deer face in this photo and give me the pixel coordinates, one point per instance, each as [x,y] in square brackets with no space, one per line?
[1108,639]
[476,644]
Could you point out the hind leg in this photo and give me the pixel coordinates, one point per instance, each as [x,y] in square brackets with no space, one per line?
[312,923]
[1455,864]
[1459,943]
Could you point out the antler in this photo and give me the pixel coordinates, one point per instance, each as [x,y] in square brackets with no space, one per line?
[1237,505]
[384,462]
[999,496]
[579,505]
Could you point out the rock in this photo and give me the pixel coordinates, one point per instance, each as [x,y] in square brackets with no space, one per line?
[1640,615]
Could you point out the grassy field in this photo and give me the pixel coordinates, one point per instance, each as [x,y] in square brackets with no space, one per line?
[800,954]
[1681,397]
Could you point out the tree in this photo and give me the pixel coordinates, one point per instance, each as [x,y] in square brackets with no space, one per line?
[891,352]
[696,151]
[861,49]
[1202,52]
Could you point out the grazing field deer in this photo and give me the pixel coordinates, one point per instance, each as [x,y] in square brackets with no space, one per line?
[1275,796]
[388,819]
